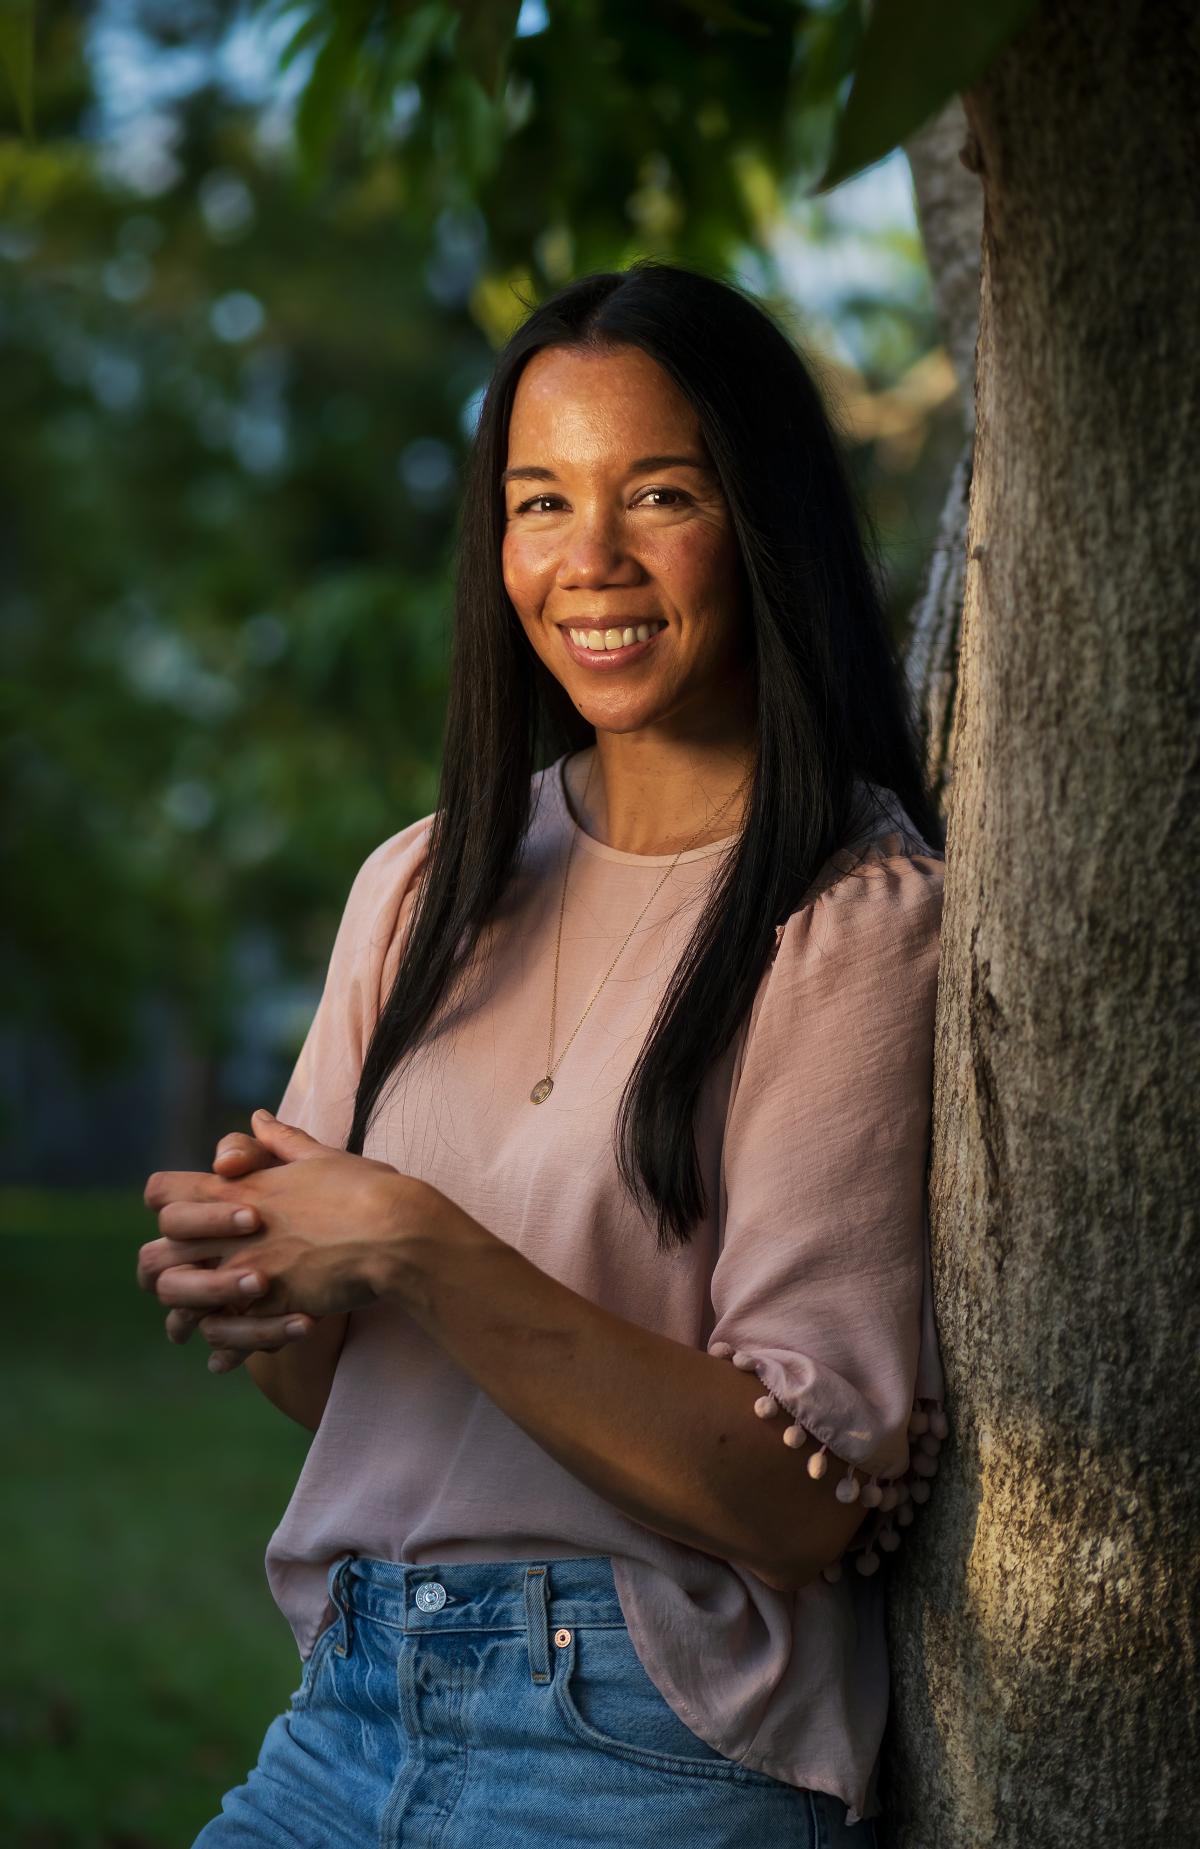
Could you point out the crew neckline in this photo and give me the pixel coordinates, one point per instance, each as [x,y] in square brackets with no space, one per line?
[601,848]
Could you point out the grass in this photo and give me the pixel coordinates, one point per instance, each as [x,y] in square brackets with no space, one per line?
[143,1656]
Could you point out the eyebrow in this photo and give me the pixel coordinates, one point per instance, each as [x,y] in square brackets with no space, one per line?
[639,467]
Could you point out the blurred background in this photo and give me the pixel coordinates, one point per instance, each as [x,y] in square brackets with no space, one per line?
[255,264]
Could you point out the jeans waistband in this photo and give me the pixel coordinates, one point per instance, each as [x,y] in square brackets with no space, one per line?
[534,1596]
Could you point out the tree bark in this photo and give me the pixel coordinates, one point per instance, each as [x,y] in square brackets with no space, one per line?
[935,630]
[1044,1622]
[949,203]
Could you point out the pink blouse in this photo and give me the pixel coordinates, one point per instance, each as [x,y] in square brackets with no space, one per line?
[811,1267]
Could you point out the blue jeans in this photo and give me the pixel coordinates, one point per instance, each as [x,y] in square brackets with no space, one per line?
[498,1706]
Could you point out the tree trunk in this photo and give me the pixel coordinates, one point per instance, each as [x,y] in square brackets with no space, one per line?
[934,635]
[949,198]
[950,212]
[1043,1625]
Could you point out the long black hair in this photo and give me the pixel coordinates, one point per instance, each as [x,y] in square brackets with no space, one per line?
[832,702]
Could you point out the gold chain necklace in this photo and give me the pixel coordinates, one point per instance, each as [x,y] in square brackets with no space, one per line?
[544,1087]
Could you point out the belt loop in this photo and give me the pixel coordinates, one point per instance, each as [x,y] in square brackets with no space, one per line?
[536,1625]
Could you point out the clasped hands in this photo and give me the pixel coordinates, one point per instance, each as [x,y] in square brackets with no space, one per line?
[286,1230]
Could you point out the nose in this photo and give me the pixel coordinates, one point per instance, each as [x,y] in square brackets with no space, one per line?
[594,554]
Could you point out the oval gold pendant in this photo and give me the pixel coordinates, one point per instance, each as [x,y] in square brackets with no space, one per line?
[541,1091]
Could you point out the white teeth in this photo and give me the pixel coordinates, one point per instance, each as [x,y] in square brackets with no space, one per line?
[614,638]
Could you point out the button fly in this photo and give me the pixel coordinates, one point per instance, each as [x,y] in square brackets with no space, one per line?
[431,1596]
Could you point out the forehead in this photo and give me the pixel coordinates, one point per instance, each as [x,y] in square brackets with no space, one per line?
[586,407]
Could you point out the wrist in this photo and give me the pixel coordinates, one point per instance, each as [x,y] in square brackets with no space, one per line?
[426,1231]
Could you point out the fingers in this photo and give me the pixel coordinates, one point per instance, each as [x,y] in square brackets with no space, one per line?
[239,1154]
[158,1256]
[208,1219]
[289,1141]
[224,1360]
[235,1334]
[192,1287]
[151,1262]
[195,1251]
[243,1335]
[181,1325]
[197,1231]
[183,1185]
[191,1214]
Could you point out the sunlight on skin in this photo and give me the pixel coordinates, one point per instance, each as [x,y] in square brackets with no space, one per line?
[596,538]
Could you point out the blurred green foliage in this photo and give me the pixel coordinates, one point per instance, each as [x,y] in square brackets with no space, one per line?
[776,74]
[233,419]
[878,72]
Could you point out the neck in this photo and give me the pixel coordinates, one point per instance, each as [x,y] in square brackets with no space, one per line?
[645,797]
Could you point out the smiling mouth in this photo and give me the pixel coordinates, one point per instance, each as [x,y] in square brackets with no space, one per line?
[599,655]
[611,637]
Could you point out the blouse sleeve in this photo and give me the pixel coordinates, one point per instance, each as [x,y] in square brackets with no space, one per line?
[820,1286]
[319,1097]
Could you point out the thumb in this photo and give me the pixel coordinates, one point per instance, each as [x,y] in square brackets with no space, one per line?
[287,1141]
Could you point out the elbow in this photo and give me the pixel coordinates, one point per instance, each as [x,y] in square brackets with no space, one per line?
[786,1576]
[793,1578]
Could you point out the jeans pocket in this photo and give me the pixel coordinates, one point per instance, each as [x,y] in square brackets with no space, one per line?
[609,1702]
[312,1665]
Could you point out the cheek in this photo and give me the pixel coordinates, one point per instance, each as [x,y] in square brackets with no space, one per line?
[526,567]
[698,565]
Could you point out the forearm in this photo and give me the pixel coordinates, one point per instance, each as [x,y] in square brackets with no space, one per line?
[297,1378]
[664,1431]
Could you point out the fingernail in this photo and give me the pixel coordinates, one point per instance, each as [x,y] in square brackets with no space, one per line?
[215,1364]
[269,1115]
[250,1285]
[296,1328]
[245,1216]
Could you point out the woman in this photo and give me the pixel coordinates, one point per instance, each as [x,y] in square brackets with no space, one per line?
[621,1073]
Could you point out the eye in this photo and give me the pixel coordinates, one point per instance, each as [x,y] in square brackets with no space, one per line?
[675,497]
[533,503]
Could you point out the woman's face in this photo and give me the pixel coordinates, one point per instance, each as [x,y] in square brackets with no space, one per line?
[615,519]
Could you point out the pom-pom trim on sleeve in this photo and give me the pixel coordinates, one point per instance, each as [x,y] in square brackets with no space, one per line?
[890,1499]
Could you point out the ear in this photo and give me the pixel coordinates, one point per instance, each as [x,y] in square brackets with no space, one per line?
[286,1141]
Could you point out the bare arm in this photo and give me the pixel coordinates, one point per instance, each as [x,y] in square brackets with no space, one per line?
[662,1430]
[297,1379]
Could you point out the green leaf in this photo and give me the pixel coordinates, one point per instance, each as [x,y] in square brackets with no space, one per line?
[321,100]
[475,122]
[16,56]
[827,50]
[485,32]
[411,46]
[306,33]
[915,55]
